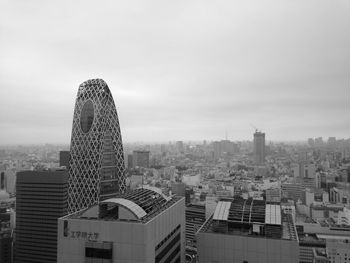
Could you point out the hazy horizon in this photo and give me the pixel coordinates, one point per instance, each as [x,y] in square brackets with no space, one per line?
[184,70]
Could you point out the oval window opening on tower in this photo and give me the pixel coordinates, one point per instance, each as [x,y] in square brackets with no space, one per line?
[87,116]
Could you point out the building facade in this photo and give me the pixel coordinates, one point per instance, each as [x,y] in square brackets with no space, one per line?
[259,148]
[96,167]
[137,226]
[248,231]
[41,199]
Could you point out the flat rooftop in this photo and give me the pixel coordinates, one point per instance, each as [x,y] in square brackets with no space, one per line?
[140,205]
[250,217]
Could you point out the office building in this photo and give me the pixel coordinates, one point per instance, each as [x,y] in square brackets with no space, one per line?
[140,159]
[137,226]
[5,247]
[41,199]
[96,167]
[195,217]
[247,230]
[259,148]
[293,191]
[273,195]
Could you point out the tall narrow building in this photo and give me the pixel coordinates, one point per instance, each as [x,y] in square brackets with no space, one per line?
[259,148]
[96,166]
[41,198]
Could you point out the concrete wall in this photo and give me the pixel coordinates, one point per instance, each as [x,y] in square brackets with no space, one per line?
[132,242]
[232,248]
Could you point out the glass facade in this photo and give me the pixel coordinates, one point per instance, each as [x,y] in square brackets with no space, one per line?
[96,166]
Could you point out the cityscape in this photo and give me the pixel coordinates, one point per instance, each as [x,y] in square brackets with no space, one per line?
[99,200]
[175,132]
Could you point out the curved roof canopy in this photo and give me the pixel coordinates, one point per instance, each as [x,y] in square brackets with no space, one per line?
[129,205]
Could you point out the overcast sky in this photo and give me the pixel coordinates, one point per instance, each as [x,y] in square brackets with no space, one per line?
[178,70]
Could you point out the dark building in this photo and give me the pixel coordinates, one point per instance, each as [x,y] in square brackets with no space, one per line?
[5,236]
[2,180]
[195,217]
[64,158]
[41,199]
[96,166]
[5,247]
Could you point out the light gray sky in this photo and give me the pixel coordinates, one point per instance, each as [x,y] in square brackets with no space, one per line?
[182,69]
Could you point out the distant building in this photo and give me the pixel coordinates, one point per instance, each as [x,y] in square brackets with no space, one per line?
[64,159]
[224,147]
[178,189]
[273,195]
[41,199]
[137,226]
[339,195]
[259,148]
[248,231]
[180,146]
[292,191]
[96,167]
[344,216]
[311,142]
[140,159]
[130,162]
[319,142]
[2,180]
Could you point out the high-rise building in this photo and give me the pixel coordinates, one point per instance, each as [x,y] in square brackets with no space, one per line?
[41,198]
[96,168]
[247,230]
[137,226]
[5,247]
[259,148]
[140,159]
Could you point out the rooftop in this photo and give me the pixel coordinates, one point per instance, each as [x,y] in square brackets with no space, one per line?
[139,205]
[251,217]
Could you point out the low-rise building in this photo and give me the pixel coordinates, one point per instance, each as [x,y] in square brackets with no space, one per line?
[137,226]
[248,231]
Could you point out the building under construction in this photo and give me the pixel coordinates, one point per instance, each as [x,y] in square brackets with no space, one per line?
[247,230]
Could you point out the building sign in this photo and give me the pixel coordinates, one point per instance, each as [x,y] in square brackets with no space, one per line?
[91,236]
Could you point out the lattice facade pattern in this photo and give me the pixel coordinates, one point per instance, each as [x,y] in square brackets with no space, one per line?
[96,166]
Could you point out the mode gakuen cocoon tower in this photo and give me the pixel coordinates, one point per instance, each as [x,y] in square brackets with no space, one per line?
[96,166]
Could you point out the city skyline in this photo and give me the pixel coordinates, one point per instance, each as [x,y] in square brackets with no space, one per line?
[181,71]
